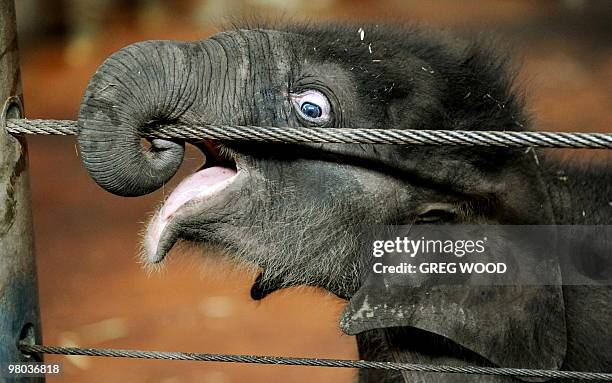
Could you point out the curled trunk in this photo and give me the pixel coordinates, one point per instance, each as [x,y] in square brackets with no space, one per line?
[142,83]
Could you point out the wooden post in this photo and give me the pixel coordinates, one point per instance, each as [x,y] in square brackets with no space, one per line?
[19,312]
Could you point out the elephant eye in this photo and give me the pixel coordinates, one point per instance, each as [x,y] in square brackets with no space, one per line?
[432,217]
[312,106]
[437,213]
[311,110]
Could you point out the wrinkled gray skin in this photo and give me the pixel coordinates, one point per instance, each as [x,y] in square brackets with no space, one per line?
[294,211]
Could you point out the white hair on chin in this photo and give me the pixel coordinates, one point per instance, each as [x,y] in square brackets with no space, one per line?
[300,245]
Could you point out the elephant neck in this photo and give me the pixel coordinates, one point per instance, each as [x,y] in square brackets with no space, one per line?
[410,345]
[375,345]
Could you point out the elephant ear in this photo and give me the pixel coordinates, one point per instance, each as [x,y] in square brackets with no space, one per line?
[512,325]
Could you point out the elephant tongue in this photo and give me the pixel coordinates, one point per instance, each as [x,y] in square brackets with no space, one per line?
[198,185]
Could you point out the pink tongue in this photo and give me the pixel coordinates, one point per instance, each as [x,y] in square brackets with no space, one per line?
[200,184]
[196,186]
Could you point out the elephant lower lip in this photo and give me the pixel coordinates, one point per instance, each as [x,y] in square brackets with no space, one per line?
[198,187]
[261,289]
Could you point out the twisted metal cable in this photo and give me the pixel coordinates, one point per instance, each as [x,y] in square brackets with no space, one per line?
[340,363]
[344,136]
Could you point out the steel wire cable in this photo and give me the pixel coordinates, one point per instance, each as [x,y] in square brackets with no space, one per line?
[339,363]
[339,135]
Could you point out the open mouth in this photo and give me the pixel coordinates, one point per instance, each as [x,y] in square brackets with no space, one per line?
[218,172]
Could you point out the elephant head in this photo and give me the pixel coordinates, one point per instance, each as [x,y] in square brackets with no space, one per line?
[294,212]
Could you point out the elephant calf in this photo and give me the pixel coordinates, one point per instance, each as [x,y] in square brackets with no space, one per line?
[294,212]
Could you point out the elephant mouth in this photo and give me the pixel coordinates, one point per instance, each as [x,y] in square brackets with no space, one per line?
[219,171]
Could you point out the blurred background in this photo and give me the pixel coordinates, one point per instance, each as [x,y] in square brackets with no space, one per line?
[94,293]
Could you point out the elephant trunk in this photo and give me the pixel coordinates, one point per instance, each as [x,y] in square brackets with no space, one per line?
[151,81]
